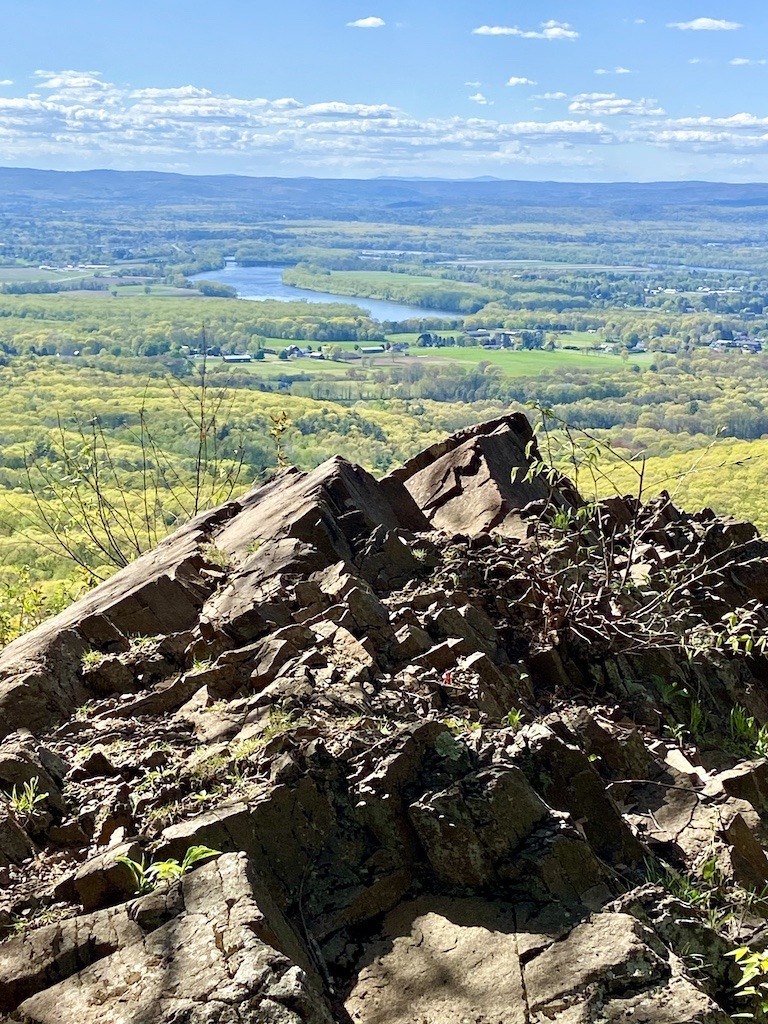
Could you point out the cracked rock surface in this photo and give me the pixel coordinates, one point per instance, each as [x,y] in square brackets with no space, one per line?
[465,747]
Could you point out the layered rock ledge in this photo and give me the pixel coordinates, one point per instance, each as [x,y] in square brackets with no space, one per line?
[463,744]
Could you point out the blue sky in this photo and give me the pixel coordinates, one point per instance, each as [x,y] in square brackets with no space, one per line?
[576,91]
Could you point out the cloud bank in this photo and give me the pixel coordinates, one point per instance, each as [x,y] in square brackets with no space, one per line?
[78,118]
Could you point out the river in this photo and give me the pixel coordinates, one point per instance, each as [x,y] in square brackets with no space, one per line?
[259,283]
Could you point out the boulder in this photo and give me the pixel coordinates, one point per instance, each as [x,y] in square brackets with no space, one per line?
[157,979]
[473,482]
[442,961]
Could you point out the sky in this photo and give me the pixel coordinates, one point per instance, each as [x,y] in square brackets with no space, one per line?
[575,91]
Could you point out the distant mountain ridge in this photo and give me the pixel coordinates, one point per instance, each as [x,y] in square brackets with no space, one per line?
[321,197]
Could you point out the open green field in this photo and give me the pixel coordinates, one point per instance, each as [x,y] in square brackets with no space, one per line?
[529,363]
[377,279]
[514,363]
[16,275]
[159,291]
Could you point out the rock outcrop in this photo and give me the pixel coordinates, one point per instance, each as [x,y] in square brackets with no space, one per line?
[458,746]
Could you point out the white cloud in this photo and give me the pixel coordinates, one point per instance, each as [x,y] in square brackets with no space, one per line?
[695,60]
[548,30]
[551,96]
[705,25]
[336,109]
[367,23]
[514,80]
[176,93]
[740,62]
[742,120]
[6,81]
[639,21]
[482,100]
[616,71]
[600,104]
[472,85]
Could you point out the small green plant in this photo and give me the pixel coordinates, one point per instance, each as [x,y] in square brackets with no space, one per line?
[149,876]
[25,800]
[753,983]
[685,714]
[254,546]
[514,719]
[209,768]
[741,634]
[449,747]
[31,918]
[201,664]
[280,721]
[84,712]
[140,642]
[165,814]
[215,556]
[460,725]
[245,748]
[90,658]
[420,554]
[745,736]
[281,423]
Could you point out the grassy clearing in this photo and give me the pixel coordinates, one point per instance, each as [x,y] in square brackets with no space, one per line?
[525,363]
[24,275]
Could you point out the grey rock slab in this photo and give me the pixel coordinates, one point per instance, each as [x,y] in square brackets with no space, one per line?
[471,829]
[442,961]
[214,962]
[15,844]
[472,482]
[614,952]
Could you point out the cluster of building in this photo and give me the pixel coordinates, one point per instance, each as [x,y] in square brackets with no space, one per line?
[739,343]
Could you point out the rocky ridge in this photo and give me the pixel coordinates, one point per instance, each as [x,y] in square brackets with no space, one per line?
[467,749]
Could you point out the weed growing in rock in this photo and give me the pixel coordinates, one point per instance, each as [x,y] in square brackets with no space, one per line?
[166,814]
[685,715]
[753,983]
[513,719]
[216,556]
[140,642]
[209,768]
[449,747]
[280,721]
[25,800]
[245,748]
[35,918]
[84,712]
[460,725]
[90,658]
[745,737]
[722,902]
[149,876]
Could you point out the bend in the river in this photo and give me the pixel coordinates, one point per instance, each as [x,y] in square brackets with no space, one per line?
[265,282]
